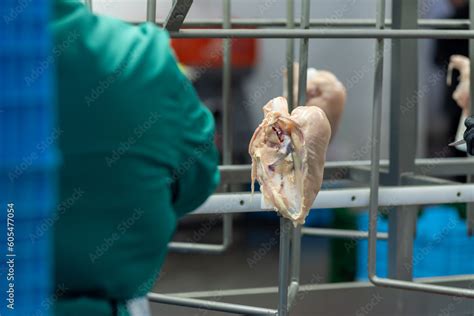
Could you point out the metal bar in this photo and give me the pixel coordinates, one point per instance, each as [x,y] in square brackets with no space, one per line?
[323,33]
[349,198]
[181,7]
[318,287]
[411,179]
[362,174]
[227,111]
[283,268]
[295,265]
[187,247]
[304,45]
[151,11]
[292,293]
[226,88]
[303,66]
[295,254]
[290,51]
[340,233]
[175,18]
[401,10]
[470,178]
[470,213]
[341,169]
[327,23]
[209,305]
[414,286]
[89,5]
[375,146]
[296,231]
[403,138]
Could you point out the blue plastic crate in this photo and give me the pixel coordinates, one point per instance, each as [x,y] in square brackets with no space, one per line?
[441,246]
[28,153]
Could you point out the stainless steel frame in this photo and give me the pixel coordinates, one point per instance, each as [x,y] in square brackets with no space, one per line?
[180,9]
[332,23]
[406,181]
[401,220]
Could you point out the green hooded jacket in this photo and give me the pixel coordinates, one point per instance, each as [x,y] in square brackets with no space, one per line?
[138,152]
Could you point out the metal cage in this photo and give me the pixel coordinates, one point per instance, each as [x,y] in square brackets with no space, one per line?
[406,181]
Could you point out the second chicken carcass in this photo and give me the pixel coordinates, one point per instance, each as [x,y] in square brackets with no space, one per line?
[323,90]
[461,95]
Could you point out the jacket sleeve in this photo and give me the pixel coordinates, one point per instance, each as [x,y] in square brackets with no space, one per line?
[196,176]
[137,72]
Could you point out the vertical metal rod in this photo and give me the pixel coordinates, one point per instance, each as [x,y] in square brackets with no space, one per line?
[226,86]
[89,4]
[227,230]
[283,268]
[296,231]
[295,254]
[290,52]
[304,43]
[403,127]
[376,128]
[227,109]
[470,206]
[295,265]
[151,11]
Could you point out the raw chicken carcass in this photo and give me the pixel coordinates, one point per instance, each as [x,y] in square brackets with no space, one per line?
[288,154]
[461,95]
[323,90]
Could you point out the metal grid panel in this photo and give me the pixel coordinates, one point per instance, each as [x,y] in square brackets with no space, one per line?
[405,25]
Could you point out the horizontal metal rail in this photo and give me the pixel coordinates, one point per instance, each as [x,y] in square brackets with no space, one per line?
[319,287]
[210,305]
[340,233]
[414,286]
[350,198]
[334,170]
[262,23]
[186,247]
[323,33]
[204,248]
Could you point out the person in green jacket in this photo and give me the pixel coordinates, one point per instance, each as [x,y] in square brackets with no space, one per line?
[138,152]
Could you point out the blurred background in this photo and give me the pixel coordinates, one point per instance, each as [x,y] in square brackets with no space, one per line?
[252,259]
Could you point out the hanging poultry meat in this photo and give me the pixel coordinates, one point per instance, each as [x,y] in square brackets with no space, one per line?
[461,94]
[288,150]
